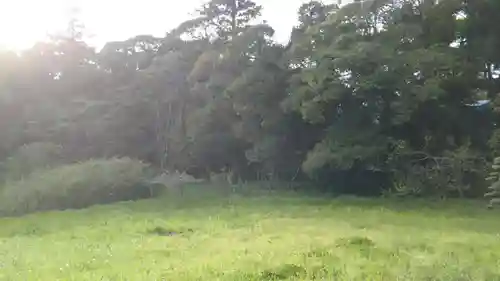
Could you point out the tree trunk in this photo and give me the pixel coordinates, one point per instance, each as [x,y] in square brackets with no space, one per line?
[234,23]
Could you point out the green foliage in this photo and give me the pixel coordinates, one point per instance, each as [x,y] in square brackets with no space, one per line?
[378,76]
[494,179]
[77,186]
[452,174]
[31,157]
[229,17]
[390,87]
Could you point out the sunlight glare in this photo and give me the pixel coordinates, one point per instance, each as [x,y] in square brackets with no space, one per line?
[24,22]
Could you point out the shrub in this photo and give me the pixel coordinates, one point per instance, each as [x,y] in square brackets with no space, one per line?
[31,157]
[454,173]
[494,179]
[77,186]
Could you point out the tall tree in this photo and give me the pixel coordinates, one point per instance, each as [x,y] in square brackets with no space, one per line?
[229,18]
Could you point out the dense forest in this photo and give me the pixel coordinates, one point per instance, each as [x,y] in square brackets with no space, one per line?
[371,97]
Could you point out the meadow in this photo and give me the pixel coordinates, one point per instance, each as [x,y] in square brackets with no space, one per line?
[205,235]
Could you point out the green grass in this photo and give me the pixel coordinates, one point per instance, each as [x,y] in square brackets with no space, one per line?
[269,237]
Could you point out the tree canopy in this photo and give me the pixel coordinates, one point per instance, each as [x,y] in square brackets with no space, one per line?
[403,94]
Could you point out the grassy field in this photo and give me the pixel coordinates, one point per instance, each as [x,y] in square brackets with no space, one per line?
[271,237]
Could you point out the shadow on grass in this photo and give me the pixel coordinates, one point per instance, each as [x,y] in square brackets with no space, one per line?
[282,201]
[162,231]
[362,213]
[283,272]
[205,195]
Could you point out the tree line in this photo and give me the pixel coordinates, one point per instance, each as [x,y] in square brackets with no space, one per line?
[397,96]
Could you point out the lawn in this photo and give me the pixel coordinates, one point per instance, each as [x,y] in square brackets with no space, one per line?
[258,237]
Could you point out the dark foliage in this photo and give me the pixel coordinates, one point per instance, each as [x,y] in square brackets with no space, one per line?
[393,97]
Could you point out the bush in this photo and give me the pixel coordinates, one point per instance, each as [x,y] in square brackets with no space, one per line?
[494,179]
[453,173]
[77,186]
[31,157]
